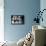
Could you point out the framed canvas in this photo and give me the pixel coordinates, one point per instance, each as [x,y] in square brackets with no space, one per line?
[17,19]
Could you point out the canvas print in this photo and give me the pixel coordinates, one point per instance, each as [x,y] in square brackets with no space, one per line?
[17,19]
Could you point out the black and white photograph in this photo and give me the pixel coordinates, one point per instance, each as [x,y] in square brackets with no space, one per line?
[17,19]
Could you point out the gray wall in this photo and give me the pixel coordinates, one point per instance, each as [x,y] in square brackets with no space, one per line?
[28,8]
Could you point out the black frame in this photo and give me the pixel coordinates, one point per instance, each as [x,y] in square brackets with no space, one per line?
[17,19]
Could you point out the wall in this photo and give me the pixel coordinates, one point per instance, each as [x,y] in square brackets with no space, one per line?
[19,7]
[1,20]
[42,6]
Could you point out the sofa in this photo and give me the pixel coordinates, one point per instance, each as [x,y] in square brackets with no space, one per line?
[8,43]
[39,33]
[39,37]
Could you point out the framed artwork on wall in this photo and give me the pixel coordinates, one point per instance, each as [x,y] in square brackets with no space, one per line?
[17,19]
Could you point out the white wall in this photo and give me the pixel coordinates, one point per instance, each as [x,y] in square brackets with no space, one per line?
[1,20]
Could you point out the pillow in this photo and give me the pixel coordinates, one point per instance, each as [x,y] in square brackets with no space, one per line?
[21,42]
